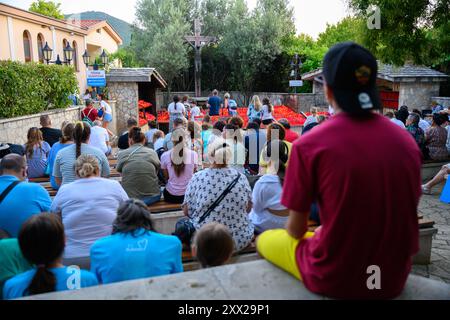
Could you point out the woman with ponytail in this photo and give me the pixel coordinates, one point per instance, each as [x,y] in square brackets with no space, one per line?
[65,141]
[63,169]
[268,212]
[36,151]
[88,207]
[178,166]
[266,112]
[42,241]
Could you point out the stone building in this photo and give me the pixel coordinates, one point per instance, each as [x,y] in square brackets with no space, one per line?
[127,86]
[413,86]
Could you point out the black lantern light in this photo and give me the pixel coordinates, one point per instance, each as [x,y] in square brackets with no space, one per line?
[68,53]
[47,52]
[87,60]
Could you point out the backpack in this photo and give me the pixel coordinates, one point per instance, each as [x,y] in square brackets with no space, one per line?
[87,119]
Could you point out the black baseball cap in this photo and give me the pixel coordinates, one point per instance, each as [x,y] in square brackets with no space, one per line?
[350,70]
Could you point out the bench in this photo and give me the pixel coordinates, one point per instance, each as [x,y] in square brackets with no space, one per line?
[254,280]
[162,206]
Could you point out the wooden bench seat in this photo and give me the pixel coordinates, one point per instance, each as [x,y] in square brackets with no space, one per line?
[162,206]
[39,180]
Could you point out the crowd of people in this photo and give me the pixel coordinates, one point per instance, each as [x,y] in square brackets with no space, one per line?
[233,184]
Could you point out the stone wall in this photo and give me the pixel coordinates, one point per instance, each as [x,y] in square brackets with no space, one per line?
[443,101]
[14,130]
[417,95]
[125,95]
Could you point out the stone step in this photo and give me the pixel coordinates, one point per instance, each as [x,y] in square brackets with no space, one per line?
[255,280]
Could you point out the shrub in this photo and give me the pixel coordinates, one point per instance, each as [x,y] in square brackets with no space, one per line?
[29,88]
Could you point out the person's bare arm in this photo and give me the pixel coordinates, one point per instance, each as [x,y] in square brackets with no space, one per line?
[58,181]
[297,224]
[185,209]
[249,206]
[166,174]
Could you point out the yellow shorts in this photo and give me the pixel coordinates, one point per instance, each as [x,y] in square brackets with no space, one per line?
[278,247]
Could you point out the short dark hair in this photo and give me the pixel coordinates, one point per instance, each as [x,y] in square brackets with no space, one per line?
[12,162]
[214,244]
[257,121]
[88,102]
[131,122]
[285,123]
[252,125]
[219,125]
[132,215]
[178,122]
[418,112]
[153,124]
[440,119]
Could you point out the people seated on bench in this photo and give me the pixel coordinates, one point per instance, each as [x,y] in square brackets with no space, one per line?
[412,125]
[65,141]
[203,201]
[42,241]
[178,123]
[233,137]
[423,124]
[88,208]
[49,134]
[275,131]
[212,245]
[195,143]
[100,138]
[438,178]
[254,142]
[122,143]
[365,245]
[12,262]
[267,211]
[139,166]
[134,250]
[36,152]
[63,169]
[436,138]
[153,127]
[23,199]
[178,166]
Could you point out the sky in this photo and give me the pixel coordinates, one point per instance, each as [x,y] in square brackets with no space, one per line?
[311,16]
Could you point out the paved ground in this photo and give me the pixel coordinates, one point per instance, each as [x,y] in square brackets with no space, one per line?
[430,207]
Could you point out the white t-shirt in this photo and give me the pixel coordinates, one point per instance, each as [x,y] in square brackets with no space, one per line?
[149,134]
[99,137]
[159,143]
[178,110]
[195,112]
[398,122]
[266,115]
[107,107]
[424,125]
[88,208]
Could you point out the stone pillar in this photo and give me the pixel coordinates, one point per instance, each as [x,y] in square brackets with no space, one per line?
[125,95]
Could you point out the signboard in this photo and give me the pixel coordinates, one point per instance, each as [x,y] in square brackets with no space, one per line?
[96,78]
[296,83]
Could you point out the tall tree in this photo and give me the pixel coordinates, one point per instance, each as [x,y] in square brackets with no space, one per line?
[158,35]
[411,30]
[47,8]
[348,29]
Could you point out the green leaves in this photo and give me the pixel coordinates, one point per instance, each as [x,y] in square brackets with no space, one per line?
[32,88]
[47,8]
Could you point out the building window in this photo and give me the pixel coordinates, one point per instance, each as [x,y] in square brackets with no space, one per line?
[40,45]
[75,56]
[27,46]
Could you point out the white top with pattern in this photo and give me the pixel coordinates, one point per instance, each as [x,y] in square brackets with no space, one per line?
[205,187]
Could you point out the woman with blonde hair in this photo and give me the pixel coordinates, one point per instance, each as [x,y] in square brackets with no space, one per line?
[36,151]
[220,194]
[254,109]
[88,207]
[178,166]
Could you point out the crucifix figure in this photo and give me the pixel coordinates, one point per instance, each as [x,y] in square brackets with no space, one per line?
[197,41]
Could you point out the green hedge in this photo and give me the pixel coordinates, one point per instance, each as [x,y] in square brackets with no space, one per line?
[30,88]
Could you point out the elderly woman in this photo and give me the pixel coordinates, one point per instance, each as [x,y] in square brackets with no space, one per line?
[88,208]
[436,138]
[221,194]
[129,253]
[412,125]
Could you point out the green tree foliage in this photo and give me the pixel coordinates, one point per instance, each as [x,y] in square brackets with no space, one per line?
[47,8]
[32,88]
[348,29]
[158,35]
[411,30]
[127,56]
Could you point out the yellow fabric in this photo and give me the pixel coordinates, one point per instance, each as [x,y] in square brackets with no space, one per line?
[278,247]
[263,164]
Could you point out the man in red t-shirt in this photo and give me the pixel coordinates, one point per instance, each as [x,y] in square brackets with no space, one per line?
[291,136]
[364,174]
[89,112]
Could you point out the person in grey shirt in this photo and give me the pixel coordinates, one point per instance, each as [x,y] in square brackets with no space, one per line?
[177,123]
[64,167]
[139,166]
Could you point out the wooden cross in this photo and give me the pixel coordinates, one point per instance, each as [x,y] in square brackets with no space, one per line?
[197,41]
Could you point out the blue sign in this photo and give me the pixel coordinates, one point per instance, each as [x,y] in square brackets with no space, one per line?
[96,78]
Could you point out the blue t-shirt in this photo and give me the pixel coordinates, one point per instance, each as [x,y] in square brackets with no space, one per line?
[214,103]
[66,279]
[51,161]
[21,203]
[122,256]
